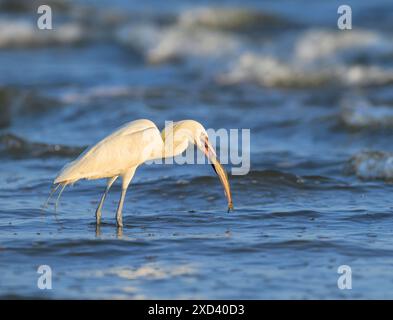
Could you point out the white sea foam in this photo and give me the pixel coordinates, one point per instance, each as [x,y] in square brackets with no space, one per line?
[148,271]
[364,75]
[323,44]
[270,71]
[314,58]
[267,70]
[98,92]
[358,113]
[197,32]
[21,33]
[162,44]
[227,18]
[372,165]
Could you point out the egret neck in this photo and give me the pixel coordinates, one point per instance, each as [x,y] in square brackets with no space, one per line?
[178,135]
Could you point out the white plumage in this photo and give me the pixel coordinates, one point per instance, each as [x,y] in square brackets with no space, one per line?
[120,153]
[115,154]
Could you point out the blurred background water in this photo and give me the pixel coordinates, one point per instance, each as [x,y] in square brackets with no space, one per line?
[319,105]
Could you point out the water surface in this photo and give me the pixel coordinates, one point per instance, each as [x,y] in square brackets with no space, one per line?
[318,102]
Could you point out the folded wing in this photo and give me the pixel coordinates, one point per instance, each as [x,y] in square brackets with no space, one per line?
[129,146]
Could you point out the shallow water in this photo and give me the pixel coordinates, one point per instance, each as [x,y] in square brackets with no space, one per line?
[319,106]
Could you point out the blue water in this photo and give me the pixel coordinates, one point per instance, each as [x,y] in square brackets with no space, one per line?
[305,208]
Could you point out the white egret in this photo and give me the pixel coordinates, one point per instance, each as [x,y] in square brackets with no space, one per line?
[120,153]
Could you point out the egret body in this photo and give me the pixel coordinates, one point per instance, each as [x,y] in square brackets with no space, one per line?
[120,153]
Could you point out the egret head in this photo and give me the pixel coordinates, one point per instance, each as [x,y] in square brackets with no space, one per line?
[178,135]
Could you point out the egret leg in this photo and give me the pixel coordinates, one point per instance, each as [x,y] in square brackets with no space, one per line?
[119,217]
[99,208]
[126,181]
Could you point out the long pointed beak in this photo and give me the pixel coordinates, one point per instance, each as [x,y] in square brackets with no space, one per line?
[219,169]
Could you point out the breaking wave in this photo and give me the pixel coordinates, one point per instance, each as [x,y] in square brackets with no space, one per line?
[322,44]
[372,165]
[269,71]
[233,19]
[199,32]
[363,114]
[21,33]
[315,58]
[163,44]
[12,145]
